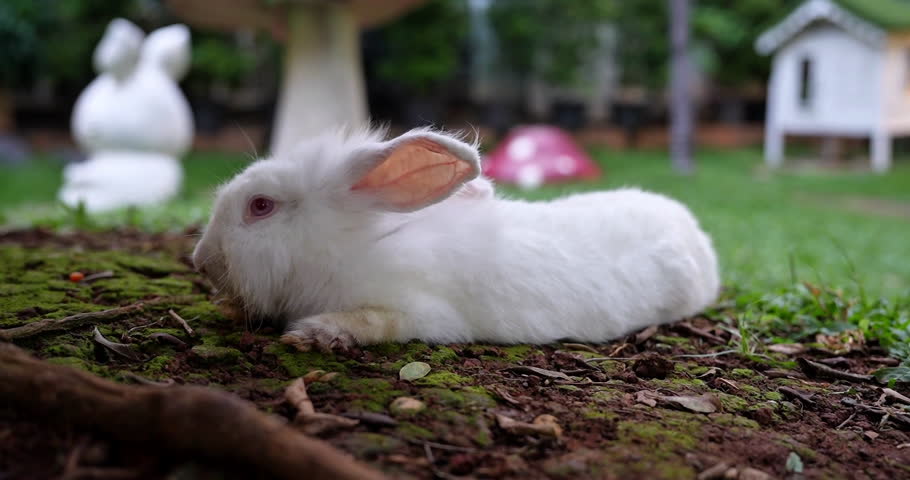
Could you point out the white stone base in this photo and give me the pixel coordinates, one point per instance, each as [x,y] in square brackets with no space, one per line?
[111,180]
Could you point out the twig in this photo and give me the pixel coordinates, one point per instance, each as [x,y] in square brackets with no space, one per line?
[432,461]
[794,393]
[818,370]
[580,346]
[845,422]
[307,417]
[900,419]
[79,319]
[895,395]
[689,328]
[189,421]
[182,322]
[439,446]
[644,335]
[97,276]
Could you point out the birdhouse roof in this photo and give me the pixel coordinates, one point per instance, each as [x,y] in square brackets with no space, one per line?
[868,20]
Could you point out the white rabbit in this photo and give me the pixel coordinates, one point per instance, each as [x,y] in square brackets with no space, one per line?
[133,120]
[357,240]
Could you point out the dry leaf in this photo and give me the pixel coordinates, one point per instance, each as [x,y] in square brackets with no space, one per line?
[413,371]
[788,348]
[540,372]
[647,397]
[843,342]
[706,403]
[119,348]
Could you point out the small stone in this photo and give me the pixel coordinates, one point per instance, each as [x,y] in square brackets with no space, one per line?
[406,406]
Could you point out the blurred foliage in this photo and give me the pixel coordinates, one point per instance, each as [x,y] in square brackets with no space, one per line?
[722,42]
[57,38]
[724,35]
[53,37]
[550,38]
[424,46]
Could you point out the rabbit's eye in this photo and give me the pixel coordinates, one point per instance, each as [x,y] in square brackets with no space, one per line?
[261,207]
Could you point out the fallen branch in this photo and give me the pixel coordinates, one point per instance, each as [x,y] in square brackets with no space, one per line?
[897,418]
[190,421]
[311,421]
[819,370]
[182,322]
[79,319]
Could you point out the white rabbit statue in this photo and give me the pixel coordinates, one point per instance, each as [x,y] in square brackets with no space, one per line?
[356,240]
[133,120]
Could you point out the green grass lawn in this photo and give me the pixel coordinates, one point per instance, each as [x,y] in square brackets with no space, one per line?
[839,229]
[847,232]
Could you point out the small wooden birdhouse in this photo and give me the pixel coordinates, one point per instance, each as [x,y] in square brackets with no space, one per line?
[841,68]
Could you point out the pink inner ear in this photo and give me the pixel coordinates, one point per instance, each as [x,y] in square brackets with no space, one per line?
[415,174]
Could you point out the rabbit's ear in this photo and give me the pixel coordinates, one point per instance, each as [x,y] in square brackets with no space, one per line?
[415,170]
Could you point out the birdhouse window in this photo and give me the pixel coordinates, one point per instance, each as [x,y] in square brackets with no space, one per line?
[805,82]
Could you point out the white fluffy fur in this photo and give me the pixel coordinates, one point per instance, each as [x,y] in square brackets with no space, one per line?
[472,267]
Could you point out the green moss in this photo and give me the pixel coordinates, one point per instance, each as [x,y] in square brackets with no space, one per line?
[611,367]
[374,394]
[771,395]
[365,444]
[742,373]
[443,379]
[298,364]
[568,388]
[680,383]
[731,420]
[672,340]
[659,439]
[803,451]
[465,398]
[157,365]
[732,403]
[605,395]
[691,368]
[66,349]
[81,364]
[597,412]
[517,353]
[211,354]
[202,313]
[414,432]
[443,355]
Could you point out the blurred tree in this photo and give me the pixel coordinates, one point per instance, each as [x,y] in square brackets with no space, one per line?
[423,47]
[680,96]
[722,44]
[549,38]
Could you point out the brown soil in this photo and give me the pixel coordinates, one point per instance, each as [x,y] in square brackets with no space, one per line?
[768,411]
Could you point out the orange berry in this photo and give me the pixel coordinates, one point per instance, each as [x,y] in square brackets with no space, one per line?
[77,277]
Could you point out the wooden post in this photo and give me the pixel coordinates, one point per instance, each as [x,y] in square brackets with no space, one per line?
[680,98]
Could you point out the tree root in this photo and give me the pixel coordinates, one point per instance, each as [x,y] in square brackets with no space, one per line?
[190,421]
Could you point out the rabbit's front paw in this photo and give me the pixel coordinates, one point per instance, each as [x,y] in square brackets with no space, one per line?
[325,337]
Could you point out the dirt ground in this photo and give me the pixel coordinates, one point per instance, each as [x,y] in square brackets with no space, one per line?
[673,402]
